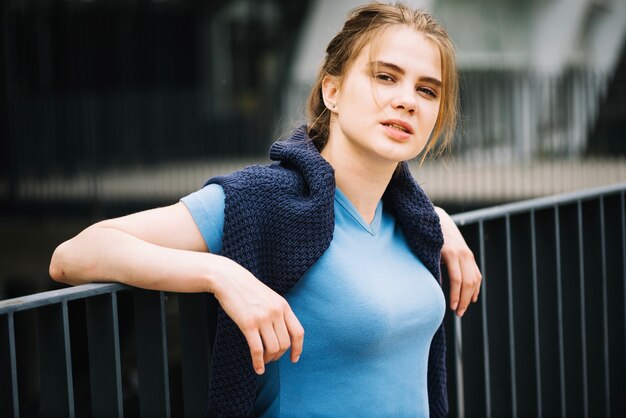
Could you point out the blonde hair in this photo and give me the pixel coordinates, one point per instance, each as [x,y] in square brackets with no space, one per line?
[362,25]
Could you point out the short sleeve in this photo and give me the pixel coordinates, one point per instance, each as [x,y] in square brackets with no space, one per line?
[207,209]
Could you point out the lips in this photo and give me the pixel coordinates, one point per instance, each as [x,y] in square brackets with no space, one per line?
[399,125]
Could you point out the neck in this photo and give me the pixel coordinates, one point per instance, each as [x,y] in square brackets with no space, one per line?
[362,180]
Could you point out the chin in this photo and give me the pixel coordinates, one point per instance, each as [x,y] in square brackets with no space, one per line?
[399,155]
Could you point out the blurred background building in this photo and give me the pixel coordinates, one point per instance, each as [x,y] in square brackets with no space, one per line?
[111,106]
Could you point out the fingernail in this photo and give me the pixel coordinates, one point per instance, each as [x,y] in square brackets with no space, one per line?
[260,370]
[454,306]
[461,312]
[297,358]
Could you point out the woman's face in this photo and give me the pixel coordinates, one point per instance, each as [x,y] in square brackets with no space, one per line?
[386,104]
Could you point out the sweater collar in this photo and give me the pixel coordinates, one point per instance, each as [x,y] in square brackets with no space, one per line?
[403,196]
[300,152]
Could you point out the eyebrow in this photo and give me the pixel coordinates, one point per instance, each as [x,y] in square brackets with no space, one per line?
[394,67]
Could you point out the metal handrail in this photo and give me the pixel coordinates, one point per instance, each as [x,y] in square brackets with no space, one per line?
[461,219]
[534,204]
[58,296]
[537,345]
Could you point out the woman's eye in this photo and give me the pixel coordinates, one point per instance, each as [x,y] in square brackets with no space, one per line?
[427,91]
[384,77]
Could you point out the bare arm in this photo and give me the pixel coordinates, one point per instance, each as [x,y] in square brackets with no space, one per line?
[465,277]
[162,249]
[158,249]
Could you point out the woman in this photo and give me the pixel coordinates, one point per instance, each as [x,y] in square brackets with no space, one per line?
[336,239]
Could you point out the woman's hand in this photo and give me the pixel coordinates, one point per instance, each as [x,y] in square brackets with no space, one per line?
[162,249]
[263,316]
[465,277]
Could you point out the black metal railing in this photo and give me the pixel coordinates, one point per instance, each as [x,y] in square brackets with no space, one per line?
[547,337]
[105,350]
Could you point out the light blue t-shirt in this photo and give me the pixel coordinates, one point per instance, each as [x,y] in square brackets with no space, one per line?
[369,309]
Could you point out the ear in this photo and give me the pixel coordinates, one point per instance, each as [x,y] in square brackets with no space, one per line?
[330,92]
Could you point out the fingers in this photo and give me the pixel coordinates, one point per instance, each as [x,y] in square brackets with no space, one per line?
[284,342]
[296,332]
[256,351]
[271,335]
[271,346]
[289,333]
[263,316]
[480,280]
[456,279]
[467,290]
[465,280]
[465,277]
[470,286]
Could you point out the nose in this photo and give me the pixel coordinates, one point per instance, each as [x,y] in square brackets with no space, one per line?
[405,100]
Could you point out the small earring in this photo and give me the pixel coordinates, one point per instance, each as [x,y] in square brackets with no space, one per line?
[332,105]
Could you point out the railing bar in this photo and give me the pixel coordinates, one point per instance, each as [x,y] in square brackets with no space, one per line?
[58,296]
[13,360]
[605,314]
[482,215]
[197,316]
[117,354]
[533,240]
[583,316]
[152,355]
[458,358]
[509,274]
[623,215]
[104,355]
[165,359]
[68,359]
[483,268]
[559,291]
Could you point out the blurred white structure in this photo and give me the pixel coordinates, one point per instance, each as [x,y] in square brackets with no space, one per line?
[534,71]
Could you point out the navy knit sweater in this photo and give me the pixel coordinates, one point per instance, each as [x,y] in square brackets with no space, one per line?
[278,221]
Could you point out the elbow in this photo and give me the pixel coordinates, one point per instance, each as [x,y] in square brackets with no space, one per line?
[73,261]
[57,268]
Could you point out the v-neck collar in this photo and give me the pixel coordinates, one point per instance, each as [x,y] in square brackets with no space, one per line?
[371,228]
